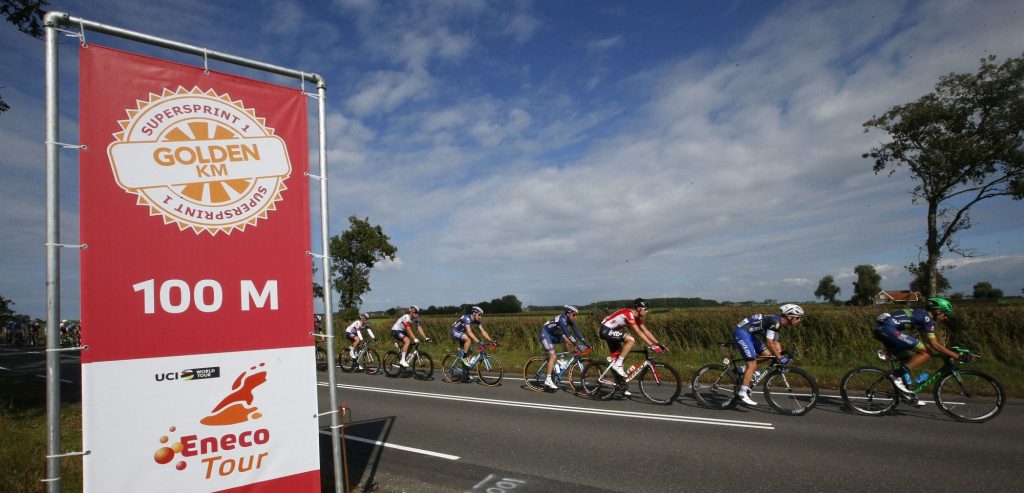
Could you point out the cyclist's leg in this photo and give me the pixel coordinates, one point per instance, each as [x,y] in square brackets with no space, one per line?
[614,338]
[353,341]
[749,347]
[910,351]
[547,342]
[462,341]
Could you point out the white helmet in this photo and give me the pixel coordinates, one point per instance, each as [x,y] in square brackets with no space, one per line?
[414,308]
[478,310]
[571,309]
[363,315]
[792,310]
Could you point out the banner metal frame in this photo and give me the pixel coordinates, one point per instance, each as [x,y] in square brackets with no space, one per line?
[54,22]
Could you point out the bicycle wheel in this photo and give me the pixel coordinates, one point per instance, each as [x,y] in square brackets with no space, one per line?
[321,359]
[867,390]
[489,370]
[534,372]
[791,390]
[371,361]
[423,366]
[598,382]
[452,368]
[969,395]
[391,367]
[575,373]
[345,360]
[714,386]
[660,383]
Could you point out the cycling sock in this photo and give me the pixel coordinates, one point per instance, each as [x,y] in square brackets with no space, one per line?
[744,390]
[618,361]
[403,356]
[899,372]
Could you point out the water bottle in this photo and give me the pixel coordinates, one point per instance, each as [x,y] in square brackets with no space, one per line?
[907,380]
[632,370]
[757,374]
[558,366]
[922,377]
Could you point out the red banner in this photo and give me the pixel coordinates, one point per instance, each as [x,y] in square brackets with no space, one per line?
[196,284]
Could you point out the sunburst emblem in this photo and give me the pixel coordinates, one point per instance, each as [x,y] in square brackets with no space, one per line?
[200,160]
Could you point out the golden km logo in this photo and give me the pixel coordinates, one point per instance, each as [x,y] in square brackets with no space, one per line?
[200,160]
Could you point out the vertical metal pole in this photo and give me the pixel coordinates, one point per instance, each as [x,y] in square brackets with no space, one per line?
[53,446]
[340,478]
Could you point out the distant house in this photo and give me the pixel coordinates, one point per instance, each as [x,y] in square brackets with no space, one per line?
[905,296]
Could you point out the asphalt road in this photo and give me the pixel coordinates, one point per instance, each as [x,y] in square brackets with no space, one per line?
[427,436]
[432,436]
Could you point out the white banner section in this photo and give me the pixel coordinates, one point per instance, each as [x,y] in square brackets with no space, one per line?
[200,422]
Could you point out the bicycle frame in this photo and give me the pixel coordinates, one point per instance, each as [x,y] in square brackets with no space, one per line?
[648,362]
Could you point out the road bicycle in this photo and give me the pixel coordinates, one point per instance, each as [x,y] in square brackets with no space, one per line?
[658,382]
[488,368]
[788,389]
[566,369]
[366,359]
[962,394]
[421,365]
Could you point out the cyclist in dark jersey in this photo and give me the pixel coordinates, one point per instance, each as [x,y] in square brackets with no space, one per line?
[556,331]
[462,331]
[748,338]
[892,330]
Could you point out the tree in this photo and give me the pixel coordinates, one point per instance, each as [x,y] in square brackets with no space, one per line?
[866,286]
[353,254]
[963,143]
[6,313]
[984,290]
[827,289]
[920,281]
[27,15]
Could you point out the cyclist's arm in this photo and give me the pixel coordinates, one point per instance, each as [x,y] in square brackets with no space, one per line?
[935,346]
[484,332]
[646,335]
[774,346]
[423,334]
[578,339]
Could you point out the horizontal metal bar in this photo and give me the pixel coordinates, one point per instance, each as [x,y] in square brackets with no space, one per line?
[69,454]
[317,255]
[63,19]
[68,146]
[315,177]
[325,414]
[76,348]
[322,336]
[83,246]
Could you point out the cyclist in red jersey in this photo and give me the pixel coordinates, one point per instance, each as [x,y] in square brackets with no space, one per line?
[613,330]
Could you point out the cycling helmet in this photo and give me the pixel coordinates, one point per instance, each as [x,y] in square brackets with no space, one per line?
[940,305]
[364,315]
[477,310]
[571,309]
[792,310]
[640,303]
[414,308]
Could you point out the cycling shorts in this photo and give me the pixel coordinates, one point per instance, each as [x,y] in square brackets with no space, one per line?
[399,334]
[899,344]
[548,341]
[749,345]
[350,336]
[459,336]
[614,337]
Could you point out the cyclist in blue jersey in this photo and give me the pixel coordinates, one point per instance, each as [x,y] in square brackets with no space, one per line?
[892,330]
[767,327]
[462,331]
[556,331]
[402,331]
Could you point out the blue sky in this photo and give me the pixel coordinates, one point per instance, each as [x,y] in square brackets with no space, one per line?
[569,152]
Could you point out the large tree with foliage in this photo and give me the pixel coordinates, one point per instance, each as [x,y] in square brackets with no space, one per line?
[984,290]
[353,254]
[827,289]
[867,285]
[963,143]
[27,15]
[920,280]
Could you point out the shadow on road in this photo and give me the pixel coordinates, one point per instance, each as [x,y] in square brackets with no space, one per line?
[362,458]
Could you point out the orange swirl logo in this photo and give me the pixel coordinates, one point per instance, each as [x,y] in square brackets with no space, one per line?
[200,160]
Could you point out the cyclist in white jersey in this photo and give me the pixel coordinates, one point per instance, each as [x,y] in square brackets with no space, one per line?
[613,331]
[402,331]
[354,333]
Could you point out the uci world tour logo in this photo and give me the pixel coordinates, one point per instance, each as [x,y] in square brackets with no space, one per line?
[200,160]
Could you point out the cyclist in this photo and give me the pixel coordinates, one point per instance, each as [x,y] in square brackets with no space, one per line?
[402,330]
[613,330]
[462,331]
[552,333]
[891,329]
[354,333]
[768,327]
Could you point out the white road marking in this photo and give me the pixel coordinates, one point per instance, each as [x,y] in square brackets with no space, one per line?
[399,447]
[568,409]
